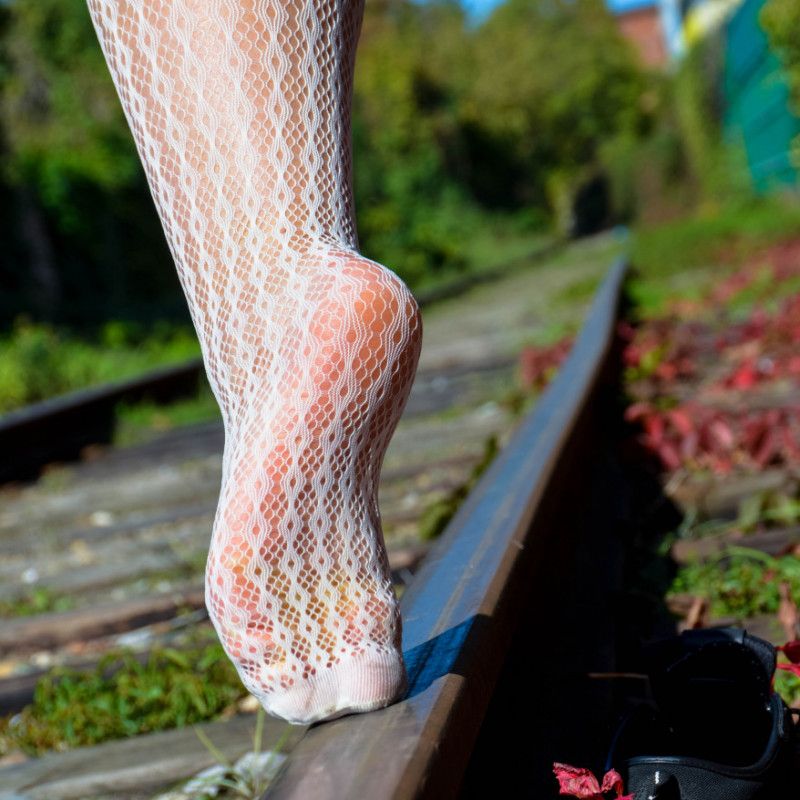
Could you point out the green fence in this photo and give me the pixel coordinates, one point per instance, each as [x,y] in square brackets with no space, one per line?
[757,101]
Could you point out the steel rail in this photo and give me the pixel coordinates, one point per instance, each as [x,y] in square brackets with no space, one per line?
[58,429]
[461,610]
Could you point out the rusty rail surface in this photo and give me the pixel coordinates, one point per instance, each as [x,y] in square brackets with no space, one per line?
[462,609]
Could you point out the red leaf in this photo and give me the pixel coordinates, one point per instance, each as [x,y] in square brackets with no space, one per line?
[612,782]
[722,466]
[689,445]
[669,455]
[626,330]
[581,783]
[791,650]
[722,433]
[744,378]
[637,411]
[667,371]
[577,782]
[791,445]
[654,427]
[768,449]
[682,421]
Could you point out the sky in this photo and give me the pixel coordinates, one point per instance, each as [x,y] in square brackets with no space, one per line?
[478,9]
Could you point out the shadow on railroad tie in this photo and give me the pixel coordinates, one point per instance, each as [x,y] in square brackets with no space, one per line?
[439,656]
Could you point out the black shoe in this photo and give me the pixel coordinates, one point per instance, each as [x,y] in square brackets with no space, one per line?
[717,731]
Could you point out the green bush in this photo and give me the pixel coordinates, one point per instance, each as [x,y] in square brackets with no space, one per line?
[38,361]
[781,20]
[683,162]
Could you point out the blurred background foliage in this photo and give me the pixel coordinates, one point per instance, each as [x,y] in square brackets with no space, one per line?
[781,20]
[471,139]
[455,127]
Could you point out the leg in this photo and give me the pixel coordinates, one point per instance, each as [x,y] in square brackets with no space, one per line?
[241,114]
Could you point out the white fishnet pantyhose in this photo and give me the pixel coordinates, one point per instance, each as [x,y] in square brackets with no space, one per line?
[241,114]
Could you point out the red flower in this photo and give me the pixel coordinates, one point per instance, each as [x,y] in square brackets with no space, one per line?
[581,783]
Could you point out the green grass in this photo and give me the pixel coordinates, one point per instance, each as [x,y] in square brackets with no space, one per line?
[503,243]
[122,697]
[741,583]
[39,601]
[494,250]
[239,780]
[578,292]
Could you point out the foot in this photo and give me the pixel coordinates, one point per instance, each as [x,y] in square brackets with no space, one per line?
[297,581]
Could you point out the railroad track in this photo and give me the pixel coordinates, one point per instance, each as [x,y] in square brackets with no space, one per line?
[59,429]
[475,608]
[508,597]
